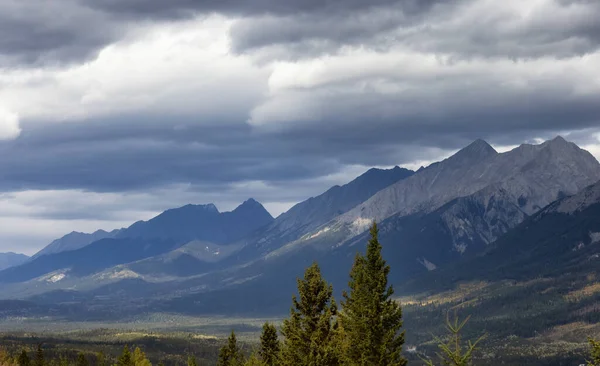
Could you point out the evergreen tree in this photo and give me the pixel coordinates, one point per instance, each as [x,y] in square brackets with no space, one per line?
[82,360]
[39,356]
[100,359]
[24,359]
[139,358]
[253,360]
[161,363]
[269,345]
[192,361]
[453,353]
[125,359]
[595,352]
[230,354]
[370,318]
[309,333]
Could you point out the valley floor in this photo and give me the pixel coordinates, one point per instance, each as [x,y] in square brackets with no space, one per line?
[172,338]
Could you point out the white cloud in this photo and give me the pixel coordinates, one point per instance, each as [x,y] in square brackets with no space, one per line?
[172,68]
[9,125]
[404,82]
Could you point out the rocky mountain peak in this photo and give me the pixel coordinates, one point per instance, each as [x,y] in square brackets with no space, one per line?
[253,207]
[559,144]
[479,147]
[250,202]
[476,151]
[210,207]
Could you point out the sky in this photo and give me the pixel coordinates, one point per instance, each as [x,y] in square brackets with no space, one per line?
[114,110]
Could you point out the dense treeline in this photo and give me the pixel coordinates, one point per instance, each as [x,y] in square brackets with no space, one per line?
[364,330]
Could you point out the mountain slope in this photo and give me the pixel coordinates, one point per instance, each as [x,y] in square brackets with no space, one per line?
[162,234]
[74,240]
[520,182]
[315,211]
[201,256]
[412,245]
[533,175]
[11,259]
[562,238]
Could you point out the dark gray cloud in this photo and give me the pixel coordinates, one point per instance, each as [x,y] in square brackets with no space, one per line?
[39,32]
[157,9]
[109,156]
[43,33]
[464,29]
[139,151]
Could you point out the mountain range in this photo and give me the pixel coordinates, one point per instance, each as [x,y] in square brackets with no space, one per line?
[11,259]
[476,205]
[164,233]
[74,241]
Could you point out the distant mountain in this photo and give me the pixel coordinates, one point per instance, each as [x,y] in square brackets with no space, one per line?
[506,188]
[562,239]
[199,256]
[11,259]
[74,240]
[447,212]
[308,215]
[532,176]
[162,234]
[202,222]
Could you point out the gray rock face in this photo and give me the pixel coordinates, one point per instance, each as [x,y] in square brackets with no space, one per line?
[73,241]
[571,205]
[483,216]
[533,175]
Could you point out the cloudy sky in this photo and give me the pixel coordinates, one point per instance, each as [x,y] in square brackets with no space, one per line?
[113,110]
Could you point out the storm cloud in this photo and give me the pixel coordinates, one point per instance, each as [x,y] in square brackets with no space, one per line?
[115,105]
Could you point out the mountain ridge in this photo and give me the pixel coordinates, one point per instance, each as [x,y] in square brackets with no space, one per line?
[11,259]
[458,176]
[165,232]
[74,240]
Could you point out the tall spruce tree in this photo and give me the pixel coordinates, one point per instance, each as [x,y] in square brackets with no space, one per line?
[309,333]
[39,356]
[125,359]
[231,354]
[269,345]
[370,318]
[23,359]
[139,358]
